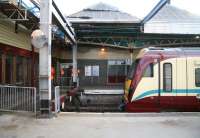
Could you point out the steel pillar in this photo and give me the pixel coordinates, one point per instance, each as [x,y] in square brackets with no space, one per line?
[45,58]
[74,57]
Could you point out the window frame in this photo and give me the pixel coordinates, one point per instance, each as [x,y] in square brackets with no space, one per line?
[152,69]
[164,78]
[196,84]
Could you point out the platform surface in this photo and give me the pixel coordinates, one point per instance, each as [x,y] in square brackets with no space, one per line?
[102,125]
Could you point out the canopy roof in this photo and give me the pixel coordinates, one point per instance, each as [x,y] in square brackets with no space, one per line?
[170,14]
[105,25]
[103,13]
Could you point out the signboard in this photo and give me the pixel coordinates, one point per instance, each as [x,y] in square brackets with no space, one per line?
[92,70]
[95,70]
[88,71]
[119,62]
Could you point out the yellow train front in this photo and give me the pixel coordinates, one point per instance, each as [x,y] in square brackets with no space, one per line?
[164,79]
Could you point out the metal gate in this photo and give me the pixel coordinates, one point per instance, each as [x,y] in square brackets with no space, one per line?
[14,98]
[57,99]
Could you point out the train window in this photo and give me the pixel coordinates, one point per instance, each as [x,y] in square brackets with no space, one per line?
[148,71]
[167,77]
[197,77]
[132,69]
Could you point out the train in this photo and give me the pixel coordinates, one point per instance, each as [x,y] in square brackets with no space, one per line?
[164,79]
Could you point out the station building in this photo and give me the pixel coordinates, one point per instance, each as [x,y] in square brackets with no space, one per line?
[105,61]
[17,65]
[107,42]
[108,39]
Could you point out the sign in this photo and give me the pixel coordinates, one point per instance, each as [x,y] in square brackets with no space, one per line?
[120,62]
[88,71]
[92,70]
[95,70]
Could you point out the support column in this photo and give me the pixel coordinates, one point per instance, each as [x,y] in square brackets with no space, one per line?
[131,56]
[45,58]
[75,73]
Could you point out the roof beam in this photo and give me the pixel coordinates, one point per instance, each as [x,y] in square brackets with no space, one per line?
[155,10]
[63,22]
[66,27]
[63,25]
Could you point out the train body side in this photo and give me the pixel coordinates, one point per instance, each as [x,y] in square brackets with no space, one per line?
[165,80]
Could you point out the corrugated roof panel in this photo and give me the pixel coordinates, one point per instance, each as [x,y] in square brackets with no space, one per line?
[102,13]
[102,7]
[172,14]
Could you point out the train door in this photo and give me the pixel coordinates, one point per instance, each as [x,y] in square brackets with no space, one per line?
[193,83]
[181,92]
[167,85]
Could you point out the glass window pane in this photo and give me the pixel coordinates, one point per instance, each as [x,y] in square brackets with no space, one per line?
[148,71]
[8,69]
[197,77]
[116,73]
[167,77]
[132,69]
[19,71]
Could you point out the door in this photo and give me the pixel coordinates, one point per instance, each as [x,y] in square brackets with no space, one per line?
[167,92]
[193,84]
[181,92]
[66,74]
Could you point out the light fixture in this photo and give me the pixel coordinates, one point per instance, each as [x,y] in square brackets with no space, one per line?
[197,37]
[102,49]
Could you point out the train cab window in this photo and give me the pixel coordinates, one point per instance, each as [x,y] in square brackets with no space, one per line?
[167,77]
[197,77]
[148,71]
[132,69]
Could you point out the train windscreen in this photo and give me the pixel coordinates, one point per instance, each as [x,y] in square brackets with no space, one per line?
[132,69]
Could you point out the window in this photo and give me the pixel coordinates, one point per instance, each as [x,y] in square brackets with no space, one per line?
[0,67]
[116,74]
[117,71]
[132,69]
[23,71]
[197,77]
[167,77]
[148,71]
[9,69]
[19,71]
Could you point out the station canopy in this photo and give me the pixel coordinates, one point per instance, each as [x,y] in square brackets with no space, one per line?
[105,25]
[27,14]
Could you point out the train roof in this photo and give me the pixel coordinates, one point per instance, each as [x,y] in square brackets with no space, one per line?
[170,52]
